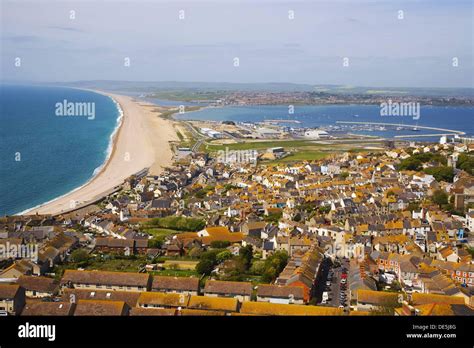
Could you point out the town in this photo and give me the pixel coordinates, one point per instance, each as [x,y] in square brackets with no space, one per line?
[384,231]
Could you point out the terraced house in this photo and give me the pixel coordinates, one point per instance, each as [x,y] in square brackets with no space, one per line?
[100,280]
[280,294]
[187,286]
[242,291]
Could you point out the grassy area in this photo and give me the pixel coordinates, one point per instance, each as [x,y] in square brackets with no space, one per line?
[176,273]
[180,265]
[160,233]
[180,223]
[105,264]
[122,265]
[259,145]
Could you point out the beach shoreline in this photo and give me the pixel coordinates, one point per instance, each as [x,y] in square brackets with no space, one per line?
[141,137]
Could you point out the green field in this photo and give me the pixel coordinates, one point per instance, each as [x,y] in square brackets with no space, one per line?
[260,145]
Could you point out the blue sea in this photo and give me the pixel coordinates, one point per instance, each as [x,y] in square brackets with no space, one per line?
[44,156]
[449,117]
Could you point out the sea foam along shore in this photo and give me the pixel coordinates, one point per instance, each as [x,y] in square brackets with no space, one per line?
[109,151]
[141,141]
[110,147]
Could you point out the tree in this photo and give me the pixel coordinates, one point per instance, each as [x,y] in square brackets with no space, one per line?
[155,243]
[80,256]
[411,163]
[440,197]
[270,274]
[205,266]
[223,255]
[246,254]
[415,161]
[274,264]
[208,261]
[466,163]
[258,267]
[441,173]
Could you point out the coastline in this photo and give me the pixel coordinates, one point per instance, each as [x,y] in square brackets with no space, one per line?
[147,150]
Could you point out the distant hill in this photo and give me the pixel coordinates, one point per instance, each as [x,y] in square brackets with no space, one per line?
[150,87]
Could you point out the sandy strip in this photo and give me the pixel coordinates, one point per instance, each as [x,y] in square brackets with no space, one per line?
[141,142]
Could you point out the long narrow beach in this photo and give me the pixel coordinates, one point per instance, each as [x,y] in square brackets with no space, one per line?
[142,141]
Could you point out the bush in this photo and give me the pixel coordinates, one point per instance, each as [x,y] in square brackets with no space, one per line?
[195,252]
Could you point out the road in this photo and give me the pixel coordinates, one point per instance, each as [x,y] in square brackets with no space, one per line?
[200,138]
[321,282]
[334,289]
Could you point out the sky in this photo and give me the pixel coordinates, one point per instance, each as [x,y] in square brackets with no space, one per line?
[380,45]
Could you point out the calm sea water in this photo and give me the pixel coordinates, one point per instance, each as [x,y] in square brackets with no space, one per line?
[456,118]
[43,156]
